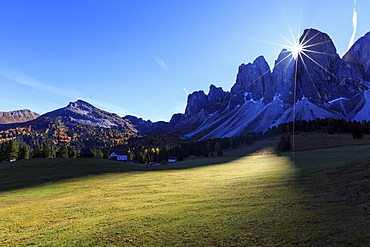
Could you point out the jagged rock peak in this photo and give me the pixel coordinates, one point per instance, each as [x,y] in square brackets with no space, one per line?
[215,92]
[254,79]
[196,103]
[320,69]
[359,56]
[260,62]
[217,99]
[80,103]
[83,108]
[318,41]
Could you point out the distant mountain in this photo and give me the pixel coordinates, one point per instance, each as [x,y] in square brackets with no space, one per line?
[19,116]
[80,124]
[83,113]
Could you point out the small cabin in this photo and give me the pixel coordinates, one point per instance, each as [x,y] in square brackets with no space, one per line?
[173,159]
[119,156]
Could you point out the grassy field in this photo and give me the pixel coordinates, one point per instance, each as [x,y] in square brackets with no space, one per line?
[309,198]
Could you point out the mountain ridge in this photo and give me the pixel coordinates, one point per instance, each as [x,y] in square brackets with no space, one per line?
[321,85]
[317,84]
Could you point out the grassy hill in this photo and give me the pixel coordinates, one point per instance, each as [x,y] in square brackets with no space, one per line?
[313,197]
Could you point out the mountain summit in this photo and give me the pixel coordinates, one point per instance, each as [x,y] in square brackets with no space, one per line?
[83,113]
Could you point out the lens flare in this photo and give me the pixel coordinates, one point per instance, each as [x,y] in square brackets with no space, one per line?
[296,50]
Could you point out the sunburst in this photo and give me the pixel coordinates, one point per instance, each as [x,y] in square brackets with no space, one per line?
[296,50]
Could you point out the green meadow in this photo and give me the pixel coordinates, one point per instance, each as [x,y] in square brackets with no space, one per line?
[309,198]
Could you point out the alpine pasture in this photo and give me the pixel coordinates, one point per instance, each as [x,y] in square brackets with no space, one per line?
[261,200]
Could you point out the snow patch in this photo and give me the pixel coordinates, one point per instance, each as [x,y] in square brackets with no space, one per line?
[334,100]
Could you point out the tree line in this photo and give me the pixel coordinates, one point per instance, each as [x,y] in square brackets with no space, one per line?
[11,150]
[157,148]
[153,149]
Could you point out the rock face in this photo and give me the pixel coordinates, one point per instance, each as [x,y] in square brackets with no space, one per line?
[359,56]
[17,116]
[317,84]
[284,76]
[254,81]
[196,103]
[322,75]
[145,127]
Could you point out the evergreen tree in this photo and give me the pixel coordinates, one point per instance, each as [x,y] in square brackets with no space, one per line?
[48,150]
[331,130]
[38,151]
[218,149]
[131,155]
[13,150]
[24,151]
[357,133]
[62,151]
[285,143]
[208,149]
[106,154]
[97,153]
[233,143]
[2,151]
[72,152]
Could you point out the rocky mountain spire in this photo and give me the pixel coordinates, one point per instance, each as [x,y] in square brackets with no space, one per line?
[254,80]
[359,56]
[283,76]
[322,75]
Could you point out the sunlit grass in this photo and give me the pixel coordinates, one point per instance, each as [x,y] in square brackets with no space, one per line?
[254,200]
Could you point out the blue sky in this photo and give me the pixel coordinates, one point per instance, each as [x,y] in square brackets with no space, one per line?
[144,57]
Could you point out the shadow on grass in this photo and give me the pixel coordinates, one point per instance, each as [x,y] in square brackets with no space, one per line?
[335,182]
[35,172]
[318,160]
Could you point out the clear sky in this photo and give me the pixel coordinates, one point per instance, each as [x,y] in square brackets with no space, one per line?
[143,57]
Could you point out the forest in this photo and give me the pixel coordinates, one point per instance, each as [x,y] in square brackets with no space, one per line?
[96,142]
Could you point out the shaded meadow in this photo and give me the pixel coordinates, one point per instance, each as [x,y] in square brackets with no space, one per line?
[306,198]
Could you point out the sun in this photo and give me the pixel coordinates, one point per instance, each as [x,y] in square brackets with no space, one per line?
[296,50]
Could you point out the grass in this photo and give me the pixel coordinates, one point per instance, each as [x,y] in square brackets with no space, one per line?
[309,199]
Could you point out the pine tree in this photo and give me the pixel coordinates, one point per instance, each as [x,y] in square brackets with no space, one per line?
[218,149]
[2,151]
[13,150]
[38,151]
[72,152]
[63,151]
[24,151]
[97,153]
[9,150]
[233,143]
[285,143]
[208,149]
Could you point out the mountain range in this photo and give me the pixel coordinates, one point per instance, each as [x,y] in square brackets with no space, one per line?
[318,83]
